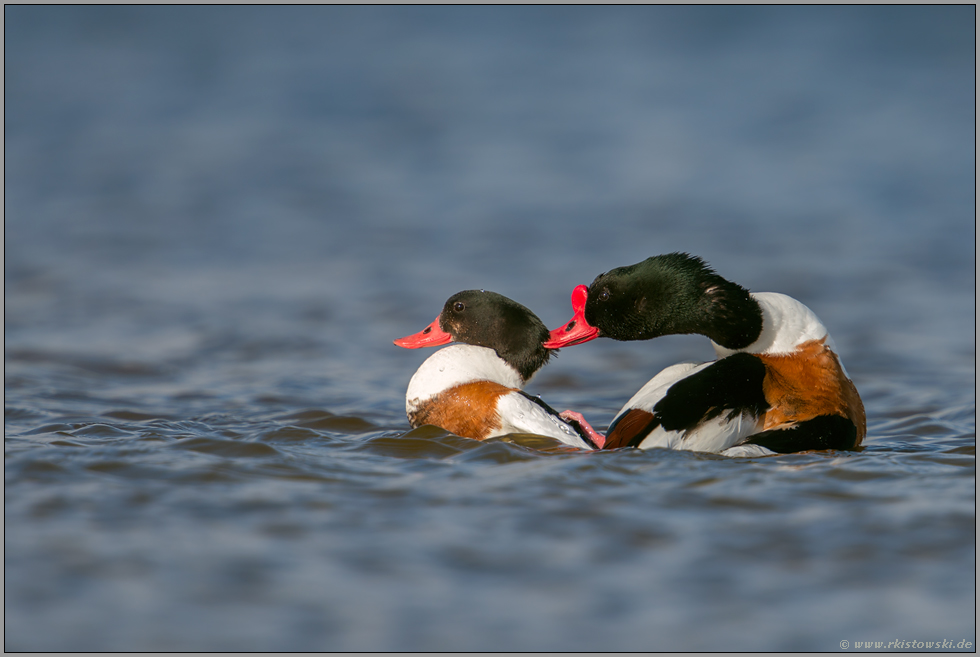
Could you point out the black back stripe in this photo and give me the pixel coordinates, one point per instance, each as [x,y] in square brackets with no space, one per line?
[579,430]
[732,385]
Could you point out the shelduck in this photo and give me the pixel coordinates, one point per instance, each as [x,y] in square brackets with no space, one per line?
[474,388]
[778,385]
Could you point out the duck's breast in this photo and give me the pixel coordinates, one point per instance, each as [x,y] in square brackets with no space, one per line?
[468,409]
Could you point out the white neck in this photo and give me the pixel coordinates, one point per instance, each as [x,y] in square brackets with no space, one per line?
[786,324]
[460,363]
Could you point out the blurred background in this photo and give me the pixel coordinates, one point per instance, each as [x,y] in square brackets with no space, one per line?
[219,218]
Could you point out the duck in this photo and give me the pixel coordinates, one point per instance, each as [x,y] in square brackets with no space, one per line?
[777,385]
[474,387]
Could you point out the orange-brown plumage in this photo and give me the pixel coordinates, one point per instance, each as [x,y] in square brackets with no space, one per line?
[807,383]
[468,410]
[629,425]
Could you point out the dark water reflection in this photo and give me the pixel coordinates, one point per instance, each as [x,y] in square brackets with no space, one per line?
[217,220]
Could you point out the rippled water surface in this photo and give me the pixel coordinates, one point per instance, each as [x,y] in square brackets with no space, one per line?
[216,221]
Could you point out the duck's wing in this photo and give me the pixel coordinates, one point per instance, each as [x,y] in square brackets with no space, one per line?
[708,407]
[522,413]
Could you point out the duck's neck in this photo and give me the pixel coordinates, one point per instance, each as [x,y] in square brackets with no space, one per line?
[786,324]
[728,315]
[461,363]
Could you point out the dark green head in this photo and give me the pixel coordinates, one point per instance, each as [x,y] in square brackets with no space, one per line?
[488,319]
[676,293]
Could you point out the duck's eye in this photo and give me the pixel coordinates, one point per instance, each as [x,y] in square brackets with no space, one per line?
[604,295]
[459,306]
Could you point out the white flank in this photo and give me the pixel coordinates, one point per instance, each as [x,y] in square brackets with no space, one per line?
[743,451]
[518,414]
[714,436]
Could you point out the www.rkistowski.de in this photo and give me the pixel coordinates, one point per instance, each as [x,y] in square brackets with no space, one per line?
[908,645]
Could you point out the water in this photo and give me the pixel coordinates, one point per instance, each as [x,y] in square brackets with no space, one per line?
[216,221]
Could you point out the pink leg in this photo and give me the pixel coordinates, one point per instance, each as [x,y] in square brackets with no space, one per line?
[579,419]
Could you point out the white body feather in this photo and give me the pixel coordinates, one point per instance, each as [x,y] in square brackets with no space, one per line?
[786,324]
[518,414]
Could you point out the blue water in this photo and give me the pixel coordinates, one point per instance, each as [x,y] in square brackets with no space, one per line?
[217,219]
